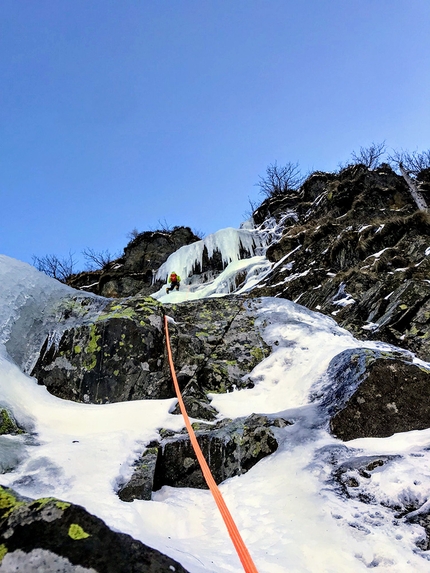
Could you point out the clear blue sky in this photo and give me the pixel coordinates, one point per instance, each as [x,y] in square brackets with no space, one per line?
[118,114]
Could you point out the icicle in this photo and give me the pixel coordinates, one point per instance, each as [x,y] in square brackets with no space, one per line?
[228,242]
[271,230]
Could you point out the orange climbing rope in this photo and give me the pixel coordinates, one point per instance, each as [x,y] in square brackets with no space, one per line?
[233,531]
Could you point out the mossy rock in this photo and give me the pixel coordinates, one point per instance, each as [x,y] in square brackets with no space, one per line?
[65,533]
[8,424]
[117,357]
[140,484]
[231,447]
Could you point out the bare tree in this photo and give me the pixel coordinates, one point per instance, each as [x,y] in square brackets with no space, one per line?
[412,162]
[280,179]
[198,233]
[253,206]
[133,234]
[417,196]
[165,227]
[57,268]
[97,260]
[369,156]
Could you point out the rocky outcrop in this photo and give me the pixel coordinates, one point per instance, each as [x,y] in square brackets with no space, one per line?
[132,272]
[215,345]
[52,535]
[374,394]
[358,250]
[352,245]
[141,483]
[8,424]
[356,470]
[116,356]
[231,447]
[119,353]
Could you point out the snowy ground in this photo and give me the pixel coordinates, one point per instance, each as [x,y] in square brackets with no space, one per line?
[286,507]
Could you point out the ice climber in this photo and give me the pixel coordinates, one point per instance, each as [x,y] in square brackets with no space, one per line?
[174,281]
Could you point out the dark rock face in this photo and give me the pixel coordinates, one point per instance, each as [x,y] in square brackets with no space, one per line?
[230,447]
[117,357]
[214,345]
[406,319]
[357,249]
[376,396]
[141,483]
[120,354]
[63,537]
[132,273]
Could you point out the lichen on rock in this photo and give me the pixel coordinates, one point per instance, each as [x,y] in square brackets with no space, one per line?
[55,534]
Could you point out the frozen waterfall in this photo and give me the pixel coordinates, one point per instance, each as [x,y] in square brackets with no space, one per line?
[228,242]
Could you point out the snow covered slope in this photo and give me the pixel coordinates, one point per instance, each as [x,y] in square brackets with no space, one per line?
[288,507]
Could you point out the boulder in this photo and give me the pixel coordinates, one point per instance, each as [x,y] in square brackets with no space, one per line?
[141,483]
[52,535]
[375,394]
[230,447]
[116,357]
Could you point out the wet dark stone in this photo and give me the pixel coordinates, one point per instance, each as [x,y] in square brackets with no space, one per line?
[140,485]
[230,448]
[118,357]
[376,396]
[70,532]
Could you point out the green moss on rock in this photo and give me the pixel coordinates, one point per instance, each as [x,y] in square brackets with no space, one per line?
[8,502]
[117,312]
[258,354]
[76,532]
[3,551]
[91,349]
[43,501]
[7,423]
